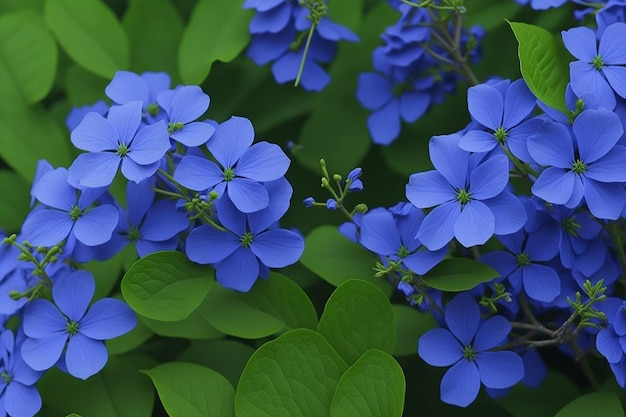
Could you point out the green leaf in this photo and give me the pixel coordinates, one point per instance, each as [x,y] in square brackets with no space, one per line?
[119,390]
[269,307]
[83,87]
[358,317]
[191,327]
[90,33]
[543,64]
[410,325]
[189,390]
[217,31]
[336,259]
[154,29]
[13,210]
[373,387]
[596,404]
[166,286]
[28,56]
[228,357]
[28,134]
[552,394]
[294,375]
[458,274]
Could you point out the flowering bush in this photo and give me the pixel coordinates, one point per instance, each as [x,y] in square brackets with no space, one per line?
[166,249]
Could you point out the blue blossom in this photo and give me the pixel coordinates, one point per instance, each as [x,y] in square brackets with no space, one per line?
[183,106]
[393,238]
[600,67]
[68,213]
[309,201]
[248,244]
[331,204]
[18,394]
[467,347]
[241,167]
[469,195]
[70,328]
[280,29]
[502,111]
[587,164]
[127,86]
[116,142]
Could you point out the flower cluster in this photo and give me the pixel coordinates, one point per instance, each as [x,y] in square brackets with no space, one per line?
[197,186]
[297,37]
[552,237]
[424,55]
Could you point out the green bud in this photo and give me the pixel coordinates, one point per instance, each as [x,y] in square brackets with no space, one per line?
[15,295]
[360,208]
[213,195]
[325,182]
[337,177]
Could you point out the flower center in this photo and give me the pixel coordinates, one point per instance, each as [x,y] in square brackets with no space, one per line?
[75,212]
[122,150]
[72,328]
[469,353]
[597,63]
[579,167]
[500,135]
[463,197]
[403,252]
[153,109]
[6,377]
[246,239]
[229,174]
[523,259]
[173,127]
[570,226]
[133,234]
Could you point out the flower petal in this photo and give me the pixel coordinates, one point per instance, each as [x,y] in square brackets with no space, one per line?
[189,103]
[198,173]
[461,384]
[278,248]
[85,357]
[438,347]
[462,316]
[500,369]
[205,244]
[42,320]
[42,354]
[486,105]
[247,195]
[47,227]
[262,162]
[94,170]
[96,226]
[73,293]
[491,333]
[437,229]
[107,318]
[230,140]
[475,225]
[238,271]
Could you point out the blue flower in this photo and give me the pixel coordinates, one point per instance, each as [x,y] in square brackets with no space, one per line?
[183,106]
[600,68]
[114,142]
[248,244]
[467,347]
[68,213]
[393,237]
[502,110]
[588,165]
[241,167]
[469,194]
[18,393]
[127,86]
[69,328]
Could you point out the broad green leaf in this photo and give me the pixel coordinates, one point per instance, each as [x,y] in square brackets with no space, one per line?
[154,29]
[166,286]
[217,31]
[28,56]
[13,210]
[543,64]
[346,12]
[73,415]
[358,317]
[458,274]
[228,357]
[269,307]
[294,375]
[336,259]
[90,33]
[190,390]
[410,325]
[17,5]
[84,87]
[119,390]
[546,400]
[28,134]
[596,404]
[373,387]
[191,327]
